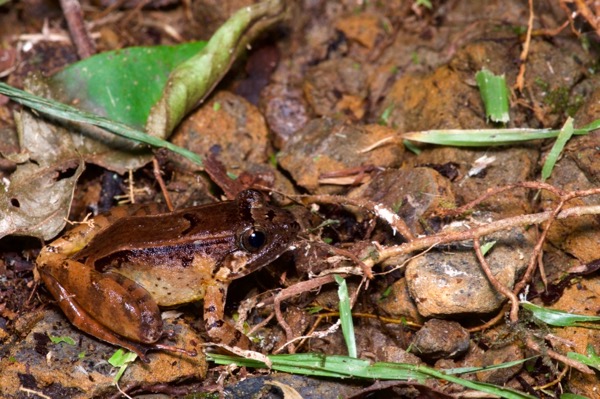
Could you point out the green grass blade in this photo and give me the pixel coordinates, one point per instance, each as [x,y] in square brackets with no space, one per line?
[494,94]
[346,316]
[67,113]
[348,367]
[572,396]
[557,317]
[592,359]
[561,140]
[486,137]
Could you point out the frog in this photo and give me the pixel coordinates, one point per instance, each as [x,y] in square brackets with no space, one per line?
[111,277]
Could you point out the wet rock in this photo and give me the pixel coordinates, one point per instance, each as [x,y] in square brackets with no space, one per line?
[508,166]
[581,298]
[285,110]
[337,87]
[494,356]
[451,282]
[413,193]
[579,236]
[441,339]
[82,370]
[326,145]
[398,303]
[363,28]
[228,126]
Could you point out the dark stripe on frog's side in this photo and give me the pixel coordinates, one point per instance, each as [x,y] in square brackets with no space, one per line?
[182,255]
[204,223]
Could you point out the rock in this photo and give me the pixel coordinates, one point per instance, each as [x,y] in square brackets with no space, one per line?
[82,370]
[337,86]
[444,283]
[441,339]
[229,126]
[509,166]
[577,170]
[363,28]
[398,302]
[285,111]
[580,298]
[495,356]
[326,145]
[413,193]
[394,354]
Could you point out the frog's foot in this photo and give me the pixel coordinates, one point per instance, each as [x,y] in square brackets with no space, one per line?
[175,349]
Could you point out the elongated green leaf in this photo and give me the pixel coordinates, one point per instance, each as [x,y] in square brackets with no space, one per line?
[572,396]
[194,79]
[346,316]
[68,113]
[592,359]
[558,317]
[122,85]
[346,367]
[561,140]
[486,137]
[494,94]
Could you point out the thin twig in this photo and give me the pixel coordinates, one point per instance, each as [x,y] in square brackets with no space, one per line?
[490,323]
[79,34]
[289,292]
[514,301]
[523,57]
[531,344]
[478,232]
[161,183]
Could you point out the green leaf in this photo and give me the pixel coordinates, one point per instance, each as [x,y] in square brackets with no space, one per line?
[68,113]
[572,396]
[122,85]
[494,94]
[565,134]
[335,366]
[194,79]
[592,359]
[121,359]
[487,137]
[557,317]
[346,316]
[57,340]
[485,248]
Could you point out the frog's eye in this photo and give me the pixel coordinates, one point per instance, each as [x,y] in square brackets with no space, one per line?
[253,239]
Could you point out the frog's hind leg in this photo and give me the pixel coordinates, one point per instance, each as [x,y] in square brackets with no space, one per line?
[83,321]
[112,306]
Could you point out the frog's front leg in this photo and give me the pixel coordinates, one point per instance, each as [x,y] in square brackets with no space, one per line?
[217,328]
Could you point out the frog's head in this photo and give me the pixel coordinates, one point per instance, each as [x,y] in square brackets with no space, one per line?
[264,233]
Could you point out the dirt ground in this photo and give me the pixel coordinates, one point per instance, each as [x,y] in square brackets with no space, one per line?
[313,113]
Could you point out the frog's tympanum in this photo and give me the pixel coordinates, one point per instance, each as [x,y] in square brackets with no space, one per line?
[111,276]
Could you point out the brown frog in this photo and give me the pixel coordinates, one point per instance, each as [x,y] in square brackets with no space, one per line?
[111,276]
